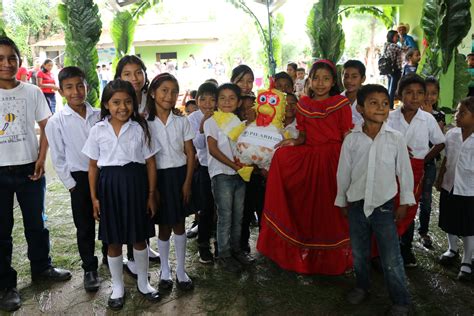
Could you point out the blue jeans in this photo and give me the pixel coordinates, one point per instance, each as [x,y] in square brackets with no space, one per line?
[393,80]
[426,197]
[229,195]
[30,195]
[382,224]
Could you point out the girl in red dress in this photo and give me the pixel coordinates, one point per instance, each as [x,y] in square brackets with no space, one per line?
[302,230]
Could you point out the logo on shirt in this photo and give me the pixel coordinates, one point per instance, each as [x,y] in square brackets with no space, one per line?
[12,120]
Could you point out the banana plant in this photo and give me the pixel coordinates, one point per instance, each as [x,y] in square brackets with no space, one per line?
[123,26]
[82,29]
[324,29]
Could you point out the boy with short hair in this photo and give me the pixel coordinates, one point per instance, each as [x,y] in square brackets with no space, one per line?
[22,174]
[419,129]
[373,156]
[67,131]
[283,82]
[206,100]
[353,76]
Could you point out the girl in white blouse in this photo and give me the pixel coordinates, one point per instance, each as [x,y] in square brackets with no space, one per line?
[456,183]
[175,164]
[123,193]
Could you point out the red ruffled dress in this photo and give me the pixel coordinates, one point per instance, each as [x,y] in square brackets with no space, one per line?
[301,228]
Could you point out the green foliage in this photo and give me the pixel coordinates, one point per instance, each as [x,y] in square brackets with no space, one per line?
[2,22]
[445,23]
[462,77]
[386,15]
[82,29]
[325,31]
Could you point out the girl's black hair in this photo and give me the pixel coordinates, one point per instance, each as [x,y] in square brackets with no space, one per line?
[131,59]
[155,84]
[390,35]
[6,41]
[46,61]
[432,80]
[239,72]
[409,79]
[468,103]
[293,65]
[229,86]
[334,89]
[119,85]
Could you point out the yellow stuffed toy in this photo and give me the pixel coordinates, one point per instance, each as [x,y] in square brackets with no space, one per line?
[256,145]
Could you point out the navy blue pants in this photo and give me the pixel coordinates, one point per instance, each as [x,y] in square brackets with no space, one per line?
[30,195]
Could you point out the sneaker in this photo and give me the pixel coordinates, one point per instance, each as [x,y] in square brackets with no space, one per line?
[205,255]
[356,296]
[426,241]
[409,259]
[229,264]
[243,258]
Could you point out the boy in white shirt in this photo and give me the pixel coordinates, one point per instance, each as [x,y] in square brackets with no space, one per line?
[67,132]
[419,129]
[373,156]
[353,76]
[22,174]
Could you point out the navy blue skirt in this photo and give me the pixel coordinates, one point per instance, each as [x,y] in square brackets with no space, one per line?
[171,208]
[456,214]
[123,194]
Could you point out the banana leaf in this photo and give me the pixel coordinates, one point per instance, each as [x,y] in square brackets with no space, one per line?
[122,31]
[82,29]
[455,26]
[462,78]
[431,20]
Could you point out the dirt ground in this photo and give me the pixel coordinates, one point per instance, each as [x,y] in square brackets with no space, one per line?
[264,289]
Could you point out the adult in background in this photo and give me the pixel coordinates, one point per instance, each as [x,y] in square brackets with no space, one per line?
[45,80]
[405,39]
[394,53]
[22,173]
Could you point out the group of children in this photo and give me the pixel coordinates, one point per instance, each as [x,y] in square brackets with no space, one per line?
[351,174]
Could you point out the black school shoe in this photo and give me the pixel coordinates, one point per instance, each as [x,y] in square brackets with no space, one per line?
[184,285]
[52,274]
[10,299]
[151,297]
[465,276]
[116,304]
[91,281]
[449,260]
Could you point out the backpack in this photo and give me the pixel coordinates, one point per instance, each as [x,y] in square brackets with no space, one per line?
[386,65]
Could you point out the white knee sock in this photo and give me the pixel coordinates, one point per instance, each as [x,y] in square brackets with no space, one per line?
[453,245]
[141,261]
[468,243]
[116,271]
[180,248]
[164,249]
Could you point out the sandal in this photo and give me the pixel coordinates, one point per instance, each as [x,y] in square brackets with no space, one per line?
[463,275]
[447,260]
[426,240]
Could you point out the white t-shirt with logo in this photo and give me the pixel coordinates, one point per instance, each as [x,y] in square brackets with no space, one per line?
[20,107]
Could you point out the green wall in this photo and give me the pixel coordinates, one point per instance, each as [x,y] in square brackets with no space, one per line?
[148,53]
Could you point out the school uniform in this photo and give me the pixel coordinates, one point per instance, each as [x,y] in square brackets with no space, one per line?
[422,130]
[123,182]
[367,183]
[171,165]
[204,200]
[357,118]
[142,105]
[291,129]
[456,208]
[67,132]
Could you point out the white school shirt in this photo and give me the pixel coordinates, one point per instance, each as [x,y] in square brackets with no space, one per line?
[142,105]
[292,130]
[171,137]
[215,167]
[199,139]
[459,163]
[422,130]
[20,107]
[111,150]
[368,169]
[357,118]
[67,133]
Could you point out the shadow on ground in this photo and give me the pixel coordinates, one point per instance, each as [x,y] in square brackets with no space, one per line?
[264,289]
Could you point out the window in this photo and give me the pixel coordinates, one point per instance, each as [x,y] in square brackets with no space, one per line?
[165,56]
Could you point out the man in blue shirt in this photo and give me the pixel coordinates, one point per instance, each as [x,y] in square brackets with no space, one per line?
[407,40]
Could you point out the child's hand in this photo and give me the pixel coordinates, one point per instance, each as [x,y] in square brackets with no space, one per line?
[401,212]
[151,205]
[286,142]
[438,183]
[344,211]
[186,193]
[96,209]
[39,170]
